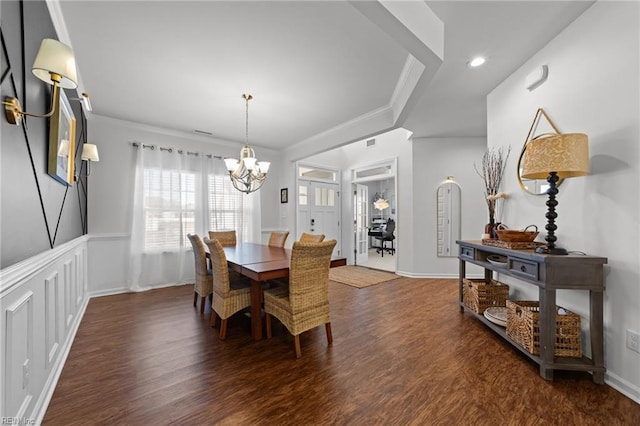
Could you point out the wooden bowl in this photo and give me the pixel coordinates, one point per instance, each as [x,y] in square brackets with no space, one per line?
[520,236]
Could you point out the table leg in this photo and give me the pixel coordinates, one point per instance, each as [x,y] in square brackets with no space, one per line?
[547,331]
[596,325]
[461,275]
[256,310]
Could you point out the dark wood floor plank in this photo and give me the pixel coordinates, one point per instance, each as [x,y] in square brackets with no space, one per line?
[402,354]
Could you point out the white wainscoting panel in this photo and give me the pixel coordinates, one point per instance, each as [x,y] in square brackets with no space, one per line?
[42,300]
[19,354]
[52,316]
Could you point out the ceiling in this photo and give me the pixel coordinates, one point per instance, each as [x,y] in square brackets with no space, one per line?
[310,66]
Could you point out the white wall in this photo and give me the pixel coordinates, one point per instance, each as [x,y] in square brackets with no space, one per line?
[435,159]
[423,163]
[390,145]
[593,87]
[111,182]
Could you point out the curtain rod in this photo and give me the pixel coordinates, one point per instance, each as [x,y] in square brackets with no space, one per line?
[170,150]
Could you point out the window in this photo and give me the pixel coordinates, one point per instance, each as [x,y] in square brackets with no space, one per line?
[226,206]
[169,208]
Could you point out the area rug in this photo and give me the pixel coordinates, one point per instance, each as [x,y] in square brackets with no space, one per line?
[359,276]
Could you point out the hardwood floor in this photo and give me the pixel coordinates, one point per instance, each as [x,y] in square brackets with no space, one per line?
[402,354]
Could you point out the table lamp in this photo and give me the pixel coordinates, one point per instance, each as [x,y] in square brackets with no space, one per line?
[562,155]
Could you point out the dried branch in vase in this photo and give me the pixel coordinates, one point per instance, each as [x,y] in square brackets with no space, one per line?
[493,166]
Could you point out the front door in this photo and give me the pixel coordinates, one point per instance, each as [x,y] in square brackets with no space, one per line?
[318,210]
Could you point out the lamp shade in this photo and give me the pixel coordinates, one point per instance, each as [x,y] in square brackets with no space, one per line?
[90,152]
[55,57]
[566,154]
[381,204]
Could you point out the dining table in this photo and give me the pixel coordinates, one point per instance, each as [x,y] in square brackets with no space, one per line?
[260,263]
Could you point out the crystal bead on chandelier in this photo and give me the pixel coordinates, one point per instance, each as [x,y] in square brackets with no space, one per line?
[247,174]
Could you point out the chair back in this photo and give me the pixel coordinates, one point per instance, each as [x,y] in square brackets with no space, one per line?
[219,266]
[309,274]
[391,226]
[226,238]
[199,254]
[277,239]
[311,238]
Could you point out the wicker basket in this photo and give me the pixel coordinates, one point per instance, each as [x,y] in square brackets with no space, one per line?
[517,236]
[523,327]
[477,295]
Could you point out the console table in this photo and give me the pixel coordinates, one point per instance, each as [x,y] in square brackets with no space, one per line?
[549,273]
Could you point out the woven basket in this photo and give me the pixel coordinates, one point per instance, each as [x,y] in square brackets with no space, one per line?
[477,295]
[512,235]
[523,327]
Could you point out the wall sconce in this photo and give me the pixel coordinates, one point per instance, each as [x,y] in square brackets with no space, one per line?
[55,64]
[89,154]
[84,101]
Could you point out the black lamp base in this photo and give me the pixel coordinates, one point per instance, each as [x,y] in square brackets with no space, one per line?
[551,250]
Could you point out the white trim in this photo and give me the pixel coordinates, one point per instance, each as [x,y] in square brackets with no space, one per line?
[14,274]
[178,133]
[623,386]
[110,237]
[407,82]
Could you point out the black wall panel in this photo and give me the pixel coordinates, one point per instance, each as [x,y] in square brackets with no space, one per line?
[37,213]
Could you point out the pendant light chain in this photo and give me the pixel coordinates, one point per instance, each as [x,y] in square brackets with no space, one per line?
[247,118]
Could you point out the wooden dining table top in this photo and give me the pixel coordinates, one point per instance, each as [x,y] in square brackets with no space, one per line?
[259,263]
[262,262]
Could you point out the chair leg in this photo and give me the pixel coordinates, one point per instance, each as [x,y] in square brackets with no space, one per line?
[195,299]
[296,341]
[327,327]
[212,322]
[268,325]
[202,302]
[223,329]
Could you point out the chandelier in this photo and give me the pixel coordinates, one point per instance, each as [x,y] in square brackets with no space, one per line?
[247,174]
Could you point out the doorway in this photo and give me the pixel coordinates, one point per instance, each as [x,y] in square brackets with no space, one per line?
[374,203]
[318,203]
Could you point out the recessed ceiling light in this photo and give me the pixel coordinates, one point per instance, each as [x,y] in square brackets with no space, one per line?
[477,61]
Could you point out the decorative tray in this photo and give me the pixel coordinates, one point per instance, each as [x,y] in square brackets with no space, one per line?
[513,245]
[497,260]
[497,315]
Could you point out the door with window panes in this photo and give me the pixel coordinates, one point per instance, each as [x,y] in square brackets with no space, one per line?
[318,210]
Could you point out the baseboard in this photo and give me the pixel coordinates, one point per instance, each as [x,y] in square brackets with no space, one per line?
[42,404]
[435,276]
[120,290]
[623,386]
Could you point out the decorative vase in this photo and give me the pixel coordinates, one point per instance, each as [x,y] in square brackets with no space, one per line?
[491,228]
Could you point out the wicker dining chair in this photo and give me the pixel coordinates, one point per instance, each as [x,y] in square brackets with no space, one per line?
[226,238]
[229,296]
[277,239]
[305,303]
[204,280]
[311,238]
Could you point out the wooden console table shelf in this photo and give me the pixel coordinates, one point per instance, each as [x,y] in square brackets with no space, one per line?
[549,273]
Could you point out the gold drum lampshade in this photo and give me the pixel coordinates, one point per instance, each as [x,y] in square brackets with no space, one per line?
[567,154]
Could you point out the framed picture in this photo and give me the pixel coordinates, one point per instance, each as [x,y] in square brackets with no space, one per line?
[284,195]
[62,141]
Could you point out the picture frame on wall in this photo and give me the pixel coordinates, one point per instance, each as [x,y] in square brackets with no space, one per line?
[284,195]
[62,141]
